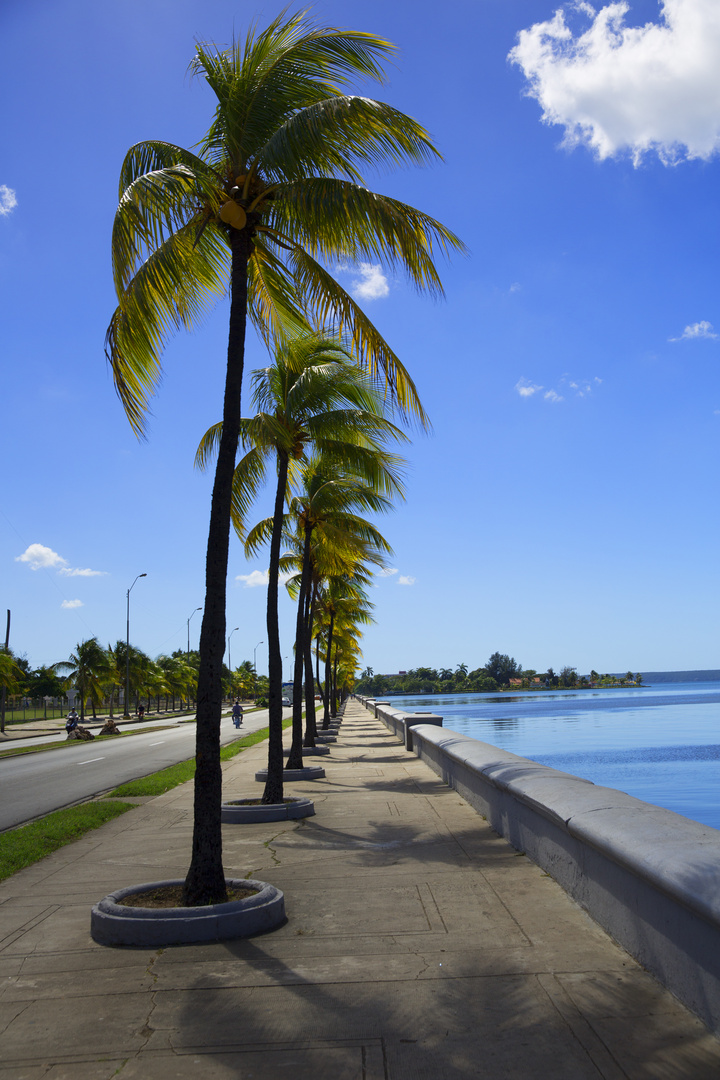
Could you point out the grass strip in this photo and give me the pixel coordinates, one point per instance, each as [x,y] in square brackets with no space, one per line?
[28,844]
[159,782]
[16,751]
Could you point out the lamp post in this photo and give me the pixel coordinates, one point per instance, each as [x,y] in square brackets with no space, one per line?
[188,624]
[127,651]
[254,664]
[229,659]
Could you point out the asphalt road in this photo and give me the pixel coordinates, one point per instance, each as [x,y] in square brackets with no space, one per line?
[35,784]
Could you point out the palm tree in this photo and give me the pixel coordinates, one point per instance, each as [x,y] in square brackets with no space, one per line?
[326,523]
[137,669]
[274,192]
[11,675]
[345,604]
[89,669]
[314,395]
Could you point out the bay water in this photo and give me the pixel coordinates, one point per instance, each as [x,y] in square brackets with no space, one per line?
[659,743]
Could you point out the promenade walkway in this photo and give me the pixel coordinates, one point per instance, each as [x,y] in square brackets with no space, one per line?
[419,946]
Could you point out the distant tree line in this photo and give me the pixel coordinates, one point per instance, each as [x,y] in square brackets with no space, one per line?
[501,672]
[98,676]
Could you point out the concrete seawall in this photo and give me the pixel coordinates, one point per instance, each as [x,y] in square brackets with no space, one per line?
[648,876]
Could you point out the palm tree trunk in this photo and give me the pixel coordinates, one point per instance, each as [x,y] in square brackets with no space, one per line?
[317,663]
[328,671]
[310,726]
[295,760]
[273,792]
[334,689]
[205,881]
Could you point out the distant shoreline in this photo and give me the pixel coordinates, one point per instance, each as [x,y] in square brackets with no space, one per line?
[705,675]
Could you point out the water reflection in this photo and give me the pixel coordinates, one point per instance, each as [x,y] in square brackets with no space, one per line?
[659,743]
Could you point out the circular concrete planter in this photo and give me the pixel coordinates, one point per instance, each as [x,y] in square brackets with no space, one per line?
[311,772]
[310,751]
[325,738]
[247,811]
[113,924]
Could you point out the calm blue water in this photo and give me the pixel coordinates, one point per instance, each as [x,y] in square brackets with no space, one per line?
[660,743]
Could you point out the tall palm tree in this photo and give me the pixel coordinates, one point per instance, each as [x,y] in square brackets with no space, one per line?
[89,669]
[274,192]
[326,522]
[345,604]
[313,396]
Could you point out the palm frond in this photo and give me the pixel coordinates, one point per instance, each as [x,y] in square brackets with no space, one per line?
[335,133]
[248,479]
[208,447]
[330,304]
[173,288]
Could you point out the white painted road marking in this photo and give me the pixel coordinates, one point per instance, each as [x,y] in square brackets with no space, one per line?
[157,743]
[89,760]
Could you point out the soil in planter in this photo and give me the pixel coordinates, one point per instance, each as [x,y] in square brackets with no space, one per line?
[167,896]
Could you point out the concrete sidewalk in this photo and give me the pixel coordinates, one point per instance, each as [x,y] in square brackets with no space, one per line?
[418,945]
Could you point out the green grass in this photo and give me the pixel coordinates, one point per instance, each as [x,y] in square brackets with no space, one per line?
[30,843]
[16,751]
[159,782]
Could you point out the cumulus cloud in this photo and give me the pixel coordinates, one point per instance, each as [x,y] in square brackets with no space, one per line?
[703,329]
[371,284]
[569,385]
[515,287]
[618,88]
[405,579]
[70,604]
[387,571]
[259,578]
[8,200]
[78,572]
[525,388]
[40,557]
[254,580]
[579,387]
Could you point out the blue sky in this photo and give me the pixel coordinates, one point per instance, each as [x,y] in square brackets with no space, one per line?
[564,508]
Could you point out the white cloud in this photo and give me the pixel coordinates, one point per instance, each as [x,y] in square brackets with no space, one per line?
[387,571]
[515,287]
[702,329]
[525,388]
[553,396]
[77,572]
[372,283]
[70,604]
[405,579]
[579,387]
[259,579]
[254,580]
[619,88]
[41,557]
[8,200]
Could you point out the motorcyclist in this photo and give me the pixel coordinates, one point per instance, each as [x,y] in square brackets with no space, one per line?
[72,720]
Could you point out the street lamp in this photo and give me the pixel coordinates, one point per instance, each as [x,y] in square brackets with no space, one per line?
[254,664]
[188,622]
[229,660]
[127,651]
